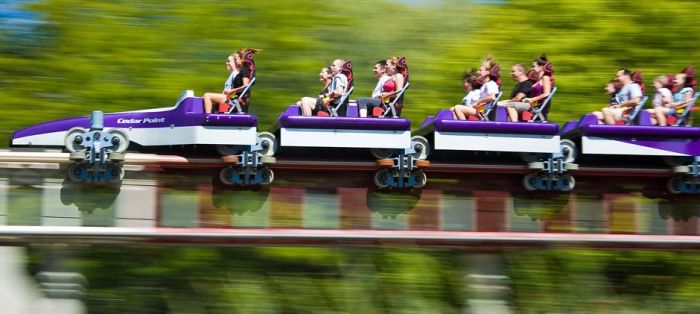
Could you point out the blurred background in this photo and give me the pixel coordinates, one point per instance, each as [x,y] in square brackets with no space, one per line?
[66,58]
[91,273]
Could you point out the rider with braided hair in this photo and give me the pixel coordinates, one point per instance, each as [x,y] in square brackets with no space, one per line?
[684,91]
[245,76]
[489,79]
[397,69]
[233,63]
[542,74]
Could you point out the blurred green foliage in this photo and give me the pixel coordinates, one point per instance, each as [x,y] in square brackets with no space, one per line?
[150,279]
[124,55]
[600,281]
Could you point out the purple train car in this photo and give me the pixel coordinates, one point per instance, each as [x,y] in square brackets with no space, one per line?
[587,137]
[185,123]
[538,144]
[497,135]
[678,146]
[351,131]
[386,138]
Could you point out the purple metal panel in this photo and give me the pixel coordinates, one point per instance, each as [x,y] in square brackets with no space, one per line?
[684,140]
[353,111]
[644,118]
[440,115]
[496,127]
[52,126]
[428,120]
[588,119]
[691,148]
[242,120]
[501,114]
[568,127]
[188,113]
[640,131]
[387,124]
[444,115]
[292,118]
[192,105]
[292,110]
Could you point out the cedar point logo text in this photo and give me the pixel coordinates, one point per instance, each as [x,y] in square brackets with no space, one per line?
[137,121]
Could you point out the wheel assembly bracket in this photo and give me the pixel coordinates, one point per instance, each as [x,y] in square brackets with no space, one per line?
[403,172]
[686,179]
[97,154]
[551,174]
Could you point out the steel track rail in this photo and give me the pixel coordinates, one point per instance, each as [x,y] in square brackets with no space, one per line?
[34,234]
[27,157]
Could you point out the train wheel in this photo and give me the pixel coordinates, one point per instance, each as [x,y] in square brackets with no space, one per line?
[568,149]
[382,153]
[267,176]
[566,183]
[75,172]
[381,178]
[530,181]
[226,175]
[228,150]
[268,142]
[120,140]
[421,146]
[73,139]
[420,179]
[674,185]
[117,172]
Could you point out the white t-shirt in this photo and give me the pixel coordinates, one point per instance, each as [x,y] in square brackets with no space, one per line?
[229,81]
[380,83]
[661,93]
[489,88]
[472,97]
[340,80]
[629,91]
